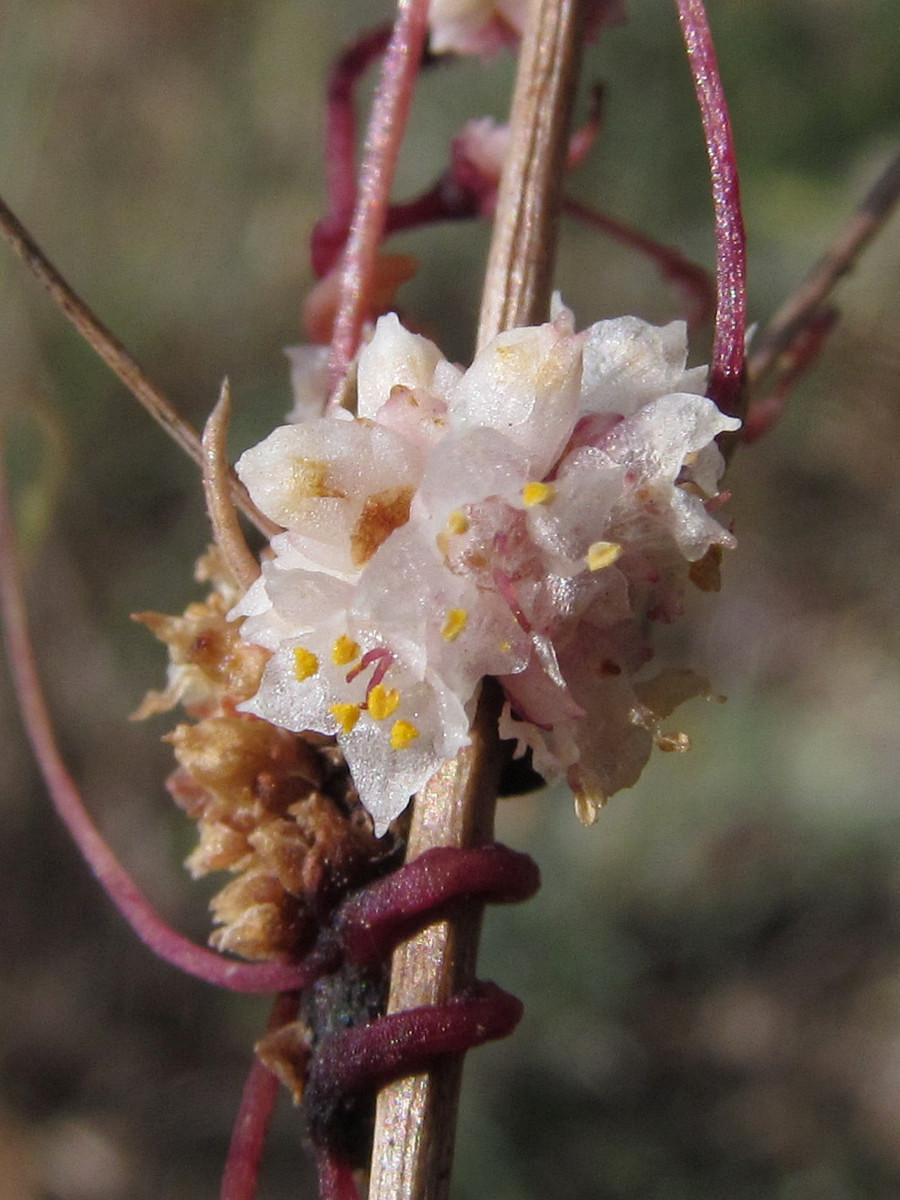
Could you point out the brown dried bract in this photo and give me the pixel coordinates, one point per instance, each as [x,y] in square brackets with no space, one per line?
[706,572]
[209,663]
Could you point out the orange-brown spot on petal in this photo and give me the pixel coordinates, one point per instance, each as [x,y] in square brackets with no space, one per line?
[309,481]
[382,514]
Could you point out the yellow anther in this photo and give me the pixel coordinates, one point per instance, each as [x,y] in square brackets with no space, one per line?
[403,734]
[602,554]
[346,715]
[457,620]
[537,493]
[344,651]
[457,522]
[306,664]
[382,702]
[505,646]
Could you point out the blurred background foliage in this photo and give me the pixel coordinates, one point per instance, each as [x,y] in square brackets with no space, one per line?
[712,973]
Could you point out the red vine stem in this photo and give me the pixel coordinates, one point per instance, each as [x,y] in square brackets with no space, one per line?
[110,873]
[336,1181]
[694,281]
[330,232]
[255,1113]
[382,149]
[726,369]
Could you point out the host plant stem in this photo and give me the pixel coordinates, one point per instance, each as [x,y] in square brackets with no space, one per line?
[416,1117]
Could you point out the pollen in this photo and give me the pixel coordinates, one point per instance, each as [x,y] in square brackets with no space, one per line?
[457,620]
[383,702]
[344,651]
[306,664]
[602,554]
[457,522]
[537,493]
[346,715]
[403,734]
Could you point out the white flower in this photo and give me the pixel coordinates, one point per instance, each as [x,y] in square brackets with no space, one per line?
[522,519]
[475,26]
[483,26]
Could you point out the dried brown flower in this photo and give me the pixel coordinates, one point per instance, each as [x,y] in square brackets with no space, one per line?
[277,809]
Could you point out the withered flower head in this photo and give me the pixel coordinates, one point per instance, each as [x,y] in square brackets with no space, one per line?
[275,808]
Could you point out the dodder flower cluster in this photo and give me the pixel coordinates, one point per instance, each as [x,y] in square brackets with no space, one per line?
[521,519]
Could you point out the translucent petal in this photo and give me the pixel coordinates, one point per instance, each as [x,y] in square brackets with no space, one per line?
[469,466]
[525,384]
[393,357]
[658,438]
[325,479]
[628,362]
[575,516]
[309,381]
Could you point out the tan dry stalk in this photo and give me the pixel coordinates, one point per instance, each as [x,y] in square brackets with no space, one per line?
[838,261]
[219,503]
[522,256]
[416,1117]
[108,347]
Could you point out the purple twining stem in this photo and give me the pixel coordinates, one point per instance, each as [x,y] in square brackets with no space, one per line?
[726,369]
[368,1057]
[330,233]
[694,281]
[258,1101]
[373,921]
[134,906]
[385,134]
[445,200]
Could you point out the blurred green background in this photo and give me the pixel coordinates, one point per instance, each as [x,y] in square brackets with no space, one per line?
[711,973]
